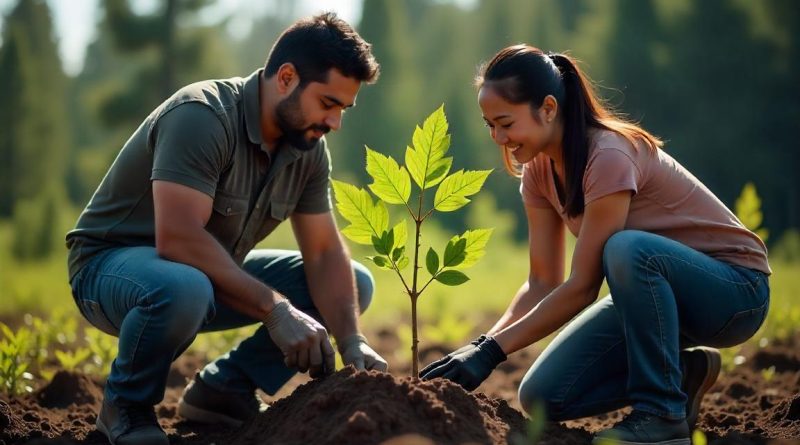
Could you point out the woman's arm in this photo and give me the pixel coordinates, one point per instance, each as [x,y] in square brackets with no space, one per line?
[546,247]
[601,219]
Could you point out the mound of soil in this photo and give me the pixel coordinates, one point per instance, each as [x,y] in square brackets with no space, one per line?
[746,406]
[371,407]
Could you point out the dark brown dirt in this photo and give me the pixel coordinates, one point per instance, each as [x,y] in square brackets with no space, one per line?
[746,406]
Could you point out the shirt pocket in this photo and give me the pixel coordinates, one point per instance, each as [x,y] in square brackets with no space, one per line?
[228,218]
[280,210]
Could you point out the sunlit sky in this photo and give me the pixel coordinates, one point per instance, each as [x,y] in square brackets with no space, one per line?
[75,20]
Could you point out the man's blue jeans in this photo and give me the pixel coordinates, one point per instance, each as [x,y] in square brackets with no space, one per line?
[625,349]
[156,307]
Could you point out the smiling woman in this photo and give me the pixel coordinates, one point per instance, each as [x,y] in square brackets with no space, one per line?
[683,271]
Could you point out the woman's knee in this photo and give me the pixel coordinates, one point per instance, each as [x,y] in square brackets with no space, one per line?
[537,392]
[365,285]
[622,252]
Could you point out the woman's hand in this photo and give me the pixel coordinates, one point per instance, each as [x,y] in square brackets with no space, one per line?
[469,367]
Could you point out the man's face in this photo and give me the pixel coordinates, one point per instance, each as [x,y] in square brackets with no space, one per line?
[310,112]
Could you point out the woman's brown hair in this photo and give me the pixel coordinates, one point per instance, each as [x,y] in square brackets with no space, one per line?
[525,74]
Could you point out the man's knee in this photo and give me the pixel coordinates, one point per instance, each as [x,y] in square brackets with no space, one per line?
[365,285]
[185,296]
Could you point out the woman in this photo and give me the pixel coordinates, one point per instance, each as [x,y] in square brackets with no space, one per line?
[682,269]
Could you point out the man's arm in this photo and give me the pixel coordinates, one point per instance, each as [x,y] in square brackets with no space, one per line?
[331,283]
[181,214]
[328,271]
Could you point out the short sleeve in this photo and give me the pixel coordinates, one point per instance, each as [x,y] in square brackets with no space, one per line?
[531,194]
[190,147]
[316,196]
[609,171]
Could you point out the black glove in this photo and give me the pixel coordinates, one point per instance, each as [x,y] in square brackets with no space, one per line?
[470,367]
[447,357]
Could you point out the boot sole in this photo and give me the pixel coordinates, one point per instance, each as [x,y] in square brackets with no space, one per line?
[712,372]
[195,414]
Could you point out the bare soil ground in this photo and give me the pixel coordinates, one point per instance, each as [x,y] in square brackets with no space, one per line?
[746,406]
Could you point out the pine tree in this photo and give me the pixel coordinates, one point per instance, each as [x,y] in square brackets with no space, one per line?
[33,129]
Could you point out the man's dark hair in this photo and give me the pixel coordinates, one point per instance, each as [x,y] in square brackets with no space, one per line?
[317,44]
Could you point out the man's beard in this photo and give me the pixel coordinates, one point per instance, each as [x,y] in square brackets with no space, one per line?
[290,121]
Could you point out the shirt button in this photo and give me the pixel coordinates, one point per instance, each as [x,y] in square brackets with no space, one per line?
[258,206]
[228,210]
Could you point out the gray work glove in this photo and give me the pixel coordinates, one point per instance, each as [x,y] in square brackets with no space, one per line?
[303,340]
[355,351]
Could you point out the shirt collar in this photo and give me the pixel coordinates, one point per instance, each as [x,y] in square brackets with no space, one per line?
[252,107]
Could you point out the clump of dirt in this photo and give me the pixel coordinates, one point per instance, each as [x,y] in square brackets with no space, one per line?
[67,388]
[368,407]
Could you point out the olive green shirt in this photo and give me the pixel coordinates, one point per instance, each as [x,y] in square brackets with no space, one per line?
[207,136]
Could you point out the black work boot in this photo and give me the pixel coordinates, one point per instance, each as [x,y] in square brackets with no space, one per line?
[701,367]
[641,428]
[129,424]
[202,403]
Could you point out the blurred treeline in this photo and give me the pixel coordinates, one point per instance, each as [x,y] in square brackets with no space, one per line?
[717,79]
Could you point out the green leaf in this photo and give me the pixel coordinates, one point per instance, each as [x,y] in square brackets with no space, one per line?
[379,245]
[475,247]
[454,253]
[400,234]
[403,263]
[452,193]
[432,261]
[439,170]
[398,252]
[452,277]
[430,143]
[380,261]
[367,218]
[392,183]
[748,210]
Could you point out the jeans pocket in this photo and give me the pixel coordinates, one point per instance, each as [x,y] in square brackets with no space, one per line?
[92,312]
[739,328]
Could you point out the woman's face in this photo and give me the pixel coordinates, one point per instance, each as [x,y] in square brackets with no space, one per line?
[515,128]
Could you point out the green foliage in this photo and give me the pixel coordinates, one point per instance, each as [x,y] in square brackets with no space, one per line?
[34,137]
[69,360]
[428,166]
[13,364]
[103,350]
[748,210]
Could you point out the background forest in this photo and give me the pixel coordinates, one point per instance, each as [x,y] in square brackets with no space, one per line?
[717,79]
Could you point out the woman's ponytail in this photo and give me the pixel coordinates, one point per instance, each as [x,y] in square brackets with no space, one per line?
[575,141]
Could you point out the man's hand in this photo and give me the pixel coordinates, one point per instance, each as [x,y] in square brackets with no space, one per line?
[355,351]
[447,357]
[470,367]
[303,341]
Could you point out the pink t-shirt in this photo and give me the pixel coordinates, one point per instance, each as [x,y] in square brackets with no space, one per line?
[667,199]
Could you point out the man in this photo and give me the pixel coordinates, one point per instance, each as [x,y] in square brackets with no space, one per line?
[164,248]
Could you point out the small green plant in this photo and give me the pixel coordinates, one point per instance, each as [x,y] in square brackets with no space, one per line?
[748,210]
[768,373]
[69,360]
[14,347]
[428,166]
[103,349]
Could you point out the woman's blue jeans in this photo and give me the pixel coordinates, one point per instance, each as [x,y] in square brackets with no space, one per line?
[156,307]
[625,349]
